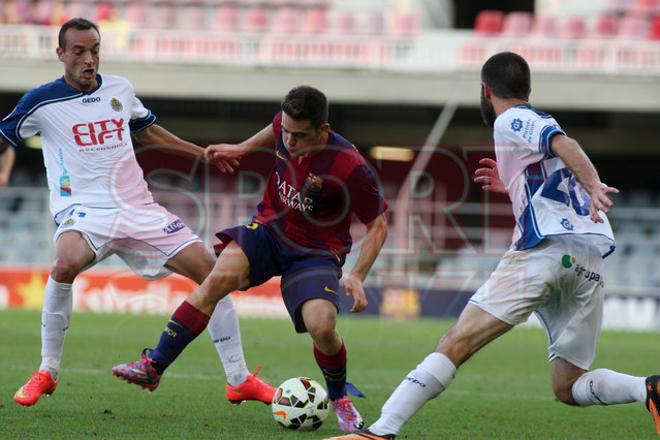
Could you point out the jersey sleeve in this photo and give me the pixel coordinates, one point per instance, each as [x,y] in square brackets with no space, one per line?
[529,131]
[141,117]
[21,123]
[367,201]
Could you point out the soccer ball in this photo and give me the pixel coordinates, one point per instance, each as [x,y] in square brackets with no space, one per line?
[300,403]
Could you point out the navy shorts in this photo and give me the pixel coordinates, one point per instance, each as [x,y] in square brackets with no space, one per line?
[303,277]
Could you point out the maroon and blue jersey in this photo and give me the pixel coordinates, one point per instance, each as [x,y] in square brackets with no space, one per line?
[309,201]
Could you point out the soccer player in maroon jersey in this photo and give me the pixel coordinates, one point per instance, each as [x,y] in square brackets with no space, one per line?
[301,232]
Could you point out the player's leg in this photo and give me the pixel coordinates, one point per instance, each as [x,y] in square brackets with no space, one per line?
[229,273]
[195,262]
[474,329]
[72,255]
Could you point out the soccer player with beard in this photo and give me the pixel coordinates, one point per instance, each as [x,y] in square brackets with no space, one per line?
[554,267]
[301,232]
[102,205]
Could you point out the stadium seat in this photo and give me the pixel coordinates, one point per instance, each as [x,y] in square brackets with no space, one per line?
[404,24]
[257,19]
[316,21]
[137,14]
[607,26]
[655,29]
[286,20]
[374,23]
[574,28]
[228,17]
[634,27]
[165,16]
[489,23]
[646,7]
[545,26]
[345,23]
[517,24]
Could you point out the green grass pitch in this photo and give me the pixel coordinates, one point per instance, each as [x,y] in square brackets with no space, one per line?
[502,393]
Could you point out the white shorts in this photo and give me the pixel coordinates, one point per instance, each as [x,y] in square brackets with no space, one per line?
[145,237]
[561,280]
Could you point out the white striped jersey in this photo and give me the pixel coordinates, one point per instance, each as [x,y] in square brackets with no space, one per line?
[547,199]
[86,141]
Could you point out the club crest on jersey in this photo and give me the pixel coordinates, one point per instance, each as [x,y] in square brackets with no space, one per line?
[314,183]
[116,104]
[516,124]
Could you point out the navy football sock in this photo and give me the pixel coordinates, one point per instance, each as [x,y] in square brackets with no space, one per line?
[183,327]
[333,368]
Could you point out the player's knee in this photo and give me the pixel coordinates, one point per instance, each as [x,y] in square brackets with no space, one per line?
[218,284]
[322,329]
[65,269]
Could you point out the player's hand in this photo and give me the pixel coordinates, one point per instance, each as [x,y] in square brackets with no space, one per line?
[600,200]
[353,287]
[224,156]
[488,176]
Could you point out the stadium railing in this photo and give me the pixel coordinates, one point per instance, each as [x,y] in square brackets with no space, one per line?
[427,51]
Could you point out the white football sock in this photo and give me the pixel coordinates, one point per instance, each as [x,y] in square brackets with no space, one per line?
[55,318]
[226,334]
[422,384]
[607,387]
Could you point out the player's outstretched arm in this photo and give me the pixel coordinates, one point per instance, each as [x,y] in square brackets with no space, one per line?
[373,243]
[574,157]
[234,152]
[489,177]
[7,156]
[158,136]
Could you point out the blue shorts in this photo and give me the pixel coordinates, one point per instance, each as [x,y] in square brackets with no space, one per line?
[303,277]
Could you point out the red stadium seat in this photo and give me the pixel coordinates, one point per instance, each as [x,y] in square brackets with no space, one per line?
[489,23]
[257,19]
[634,27]
[574,28]
[646,7]
[517,24]
[655,29]
[404,24]
[345,23]
[286,20]
[316,21]
[137,14]
[545,26]
[375,23]
[607,26]
[228,17]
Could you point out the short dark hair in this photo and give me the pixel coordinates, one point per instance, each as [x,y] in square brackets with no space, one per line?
[81,24]
[306,103]
[507,74]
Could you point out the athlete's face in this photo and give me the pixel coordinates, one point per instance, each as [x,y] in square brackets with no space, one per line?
[487,110]
[300,136]
[80,57]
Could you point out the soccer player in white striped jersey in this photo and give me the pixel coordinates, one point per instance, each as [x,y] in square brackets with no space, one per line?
[554,267]
[102,205]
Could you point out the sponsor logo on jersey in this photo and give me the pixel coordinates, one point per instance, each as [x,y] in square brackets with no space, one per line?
[516,125]
[99,132]
[570,262]
[176,225]
[91,100]
[116,104]
[290,196]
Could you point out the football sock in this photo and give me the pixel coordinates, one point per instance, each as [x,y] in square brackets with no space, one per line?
[333,367]
[185,325]
[226,335]
[430,378]
[607,387]
[55,318]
